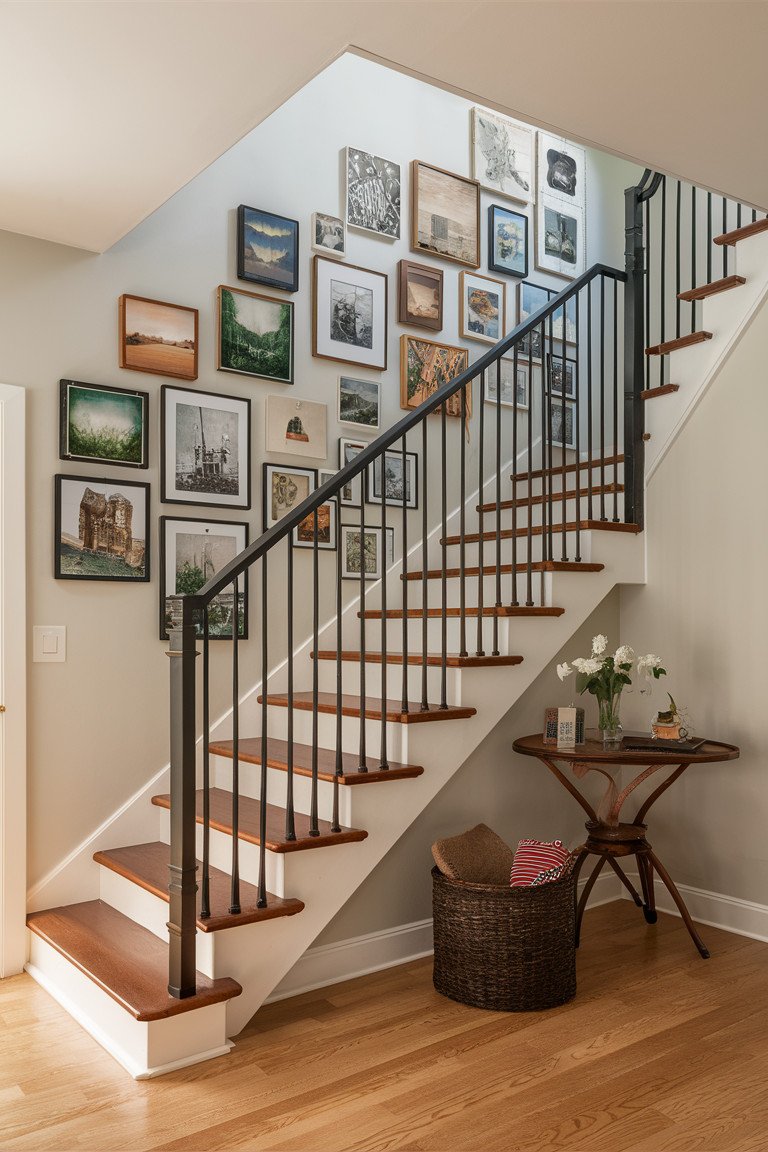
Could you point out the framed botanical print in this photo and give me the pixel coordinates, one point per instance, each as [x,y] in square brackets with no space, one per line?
[513,384]
[101,529]
[420,295]
[205,448]
[373,193]
[399,485]
[283,488]
[445,218]
[359,402]
[562,170]
[296,427]
[304,533]
[191,553]
[425,366]
[354,542]
[502,155]
[560,238]
[350,494]
[482,308]
[349,314]
[561,376]
[103,425]
[507,241]
[158,337]
[329,235]
[560,412]
[267,249]
[255,335]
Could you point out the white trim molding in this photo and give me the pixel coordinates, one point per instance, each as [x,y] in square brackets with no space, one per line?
[730,914]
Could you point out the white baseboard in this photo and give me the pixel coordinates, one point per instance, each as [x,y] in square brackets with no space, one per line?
[743,917]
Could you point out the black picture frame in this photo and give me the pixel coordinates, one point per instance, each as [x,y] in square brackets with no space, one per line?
[81,438]
[374,496]
[82,562]
[288,281]
[555,366]
[267,469]
[218,601]
[496,212]
[238,408]
[307,541]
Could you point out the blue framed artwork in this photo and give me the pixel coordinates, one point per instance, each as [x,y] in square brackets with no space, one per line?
[507,241]
[267,249]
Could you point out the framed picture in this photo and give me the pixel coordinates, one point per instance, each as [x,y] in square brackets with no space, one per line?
[350,544]
[205,448]
[394,474]
[158,337]
[255,335]
[359,402]
[531,298]
[570,322]
[420,295]
[349,314]
[329,235]
[561,376]
[304,533]
[513,382]
[502,155]
[529,348]
[284,487]
[324,475]
[296,427]
[103,425]
[562,170]
[445,217]
[101,529]
[373,193]
[350,494]
[556,408]
[482,308]
[267,249]
[559,238]
[425,366]
[191,553]
[507,241]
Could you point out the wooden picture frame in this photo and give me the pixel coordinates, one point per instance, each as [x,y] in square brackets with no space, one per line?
[419,295]
[254,335]
[482,308]
[267,249]
[507,241]
[101,529]
[455,237]
[99,424]
[283,487]
[158,337]
[204,547]
[424,366]
[349,314]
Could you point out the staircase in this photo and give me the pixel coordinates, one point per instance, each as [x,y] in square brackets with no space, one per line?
[280,809]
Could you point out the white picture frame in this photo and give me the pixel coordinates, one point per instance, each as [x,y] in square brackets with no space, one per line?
[560,238]
[361,399]
[392,493]
[328,235]
[502,155]
[507,373]
[327,532]
[372,193]
[284,487]
[561,170]
[349,543]
[482,308]
[296,427]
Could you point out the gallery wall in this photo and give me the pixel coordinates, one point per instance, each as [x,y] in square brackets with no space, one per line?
[98,723]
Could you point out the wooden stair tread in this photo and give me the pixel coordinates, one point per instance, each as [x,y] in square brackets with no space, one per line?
[743,233]
[277,757]
[540,498]
[581,466]
[712,289]
[679,342]
[662,390]
[350,706]
[126,961]
[248,823]
[451,613]
[506,569]
[147,866]
[538,529]
[452,660]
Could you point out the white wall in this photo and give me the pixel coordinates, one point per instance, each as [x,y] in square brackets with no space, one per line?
[98,724]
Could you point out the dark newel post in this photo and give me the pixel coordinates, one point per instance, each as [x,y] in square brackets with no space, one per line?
[183,884]
[634,356]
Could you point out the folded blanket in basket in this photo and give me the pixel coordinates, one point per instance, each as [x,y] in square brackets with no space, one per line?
[539,862]
[478,856]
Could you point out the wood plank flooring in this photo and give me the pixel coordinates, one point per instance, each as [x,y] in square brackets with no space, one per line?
[659,1052]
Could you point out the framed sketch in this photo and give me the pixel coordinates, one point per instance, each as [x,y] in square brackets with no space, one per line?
[329,235]
[103,425]
[359,402]
[349,314]
[255,335]
[158,337]
[284,487]
[205,448]
[304,533]
[191,553]
[570,322]
[513,382]
[556,410]
[398,481]
[482,308]
[425,366]
[267,249]
[562,170]
[502,155]
[350,544]
[445,219]
[373,193]
[507,241]
[296,427]
[559,238]
[561,376]
[420,295]
[350,494]
[101,529]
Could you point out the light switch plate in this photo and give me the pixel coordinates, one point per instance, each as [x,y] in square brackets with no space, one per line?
[49,643]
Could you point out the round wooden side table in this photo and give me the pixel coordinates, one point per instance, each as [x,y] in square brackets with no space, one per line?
[608,837]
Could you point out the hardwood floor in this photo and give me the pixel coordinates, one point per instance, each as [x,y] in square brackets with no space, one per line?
[659,1052]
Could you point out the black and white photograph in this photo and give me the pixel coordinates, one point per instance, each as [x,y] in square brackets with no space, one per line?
[561,376]
[562,170]
[514,382]
[373,193]
[329,235]
[192,552]
[267,249]
[284,487]
[350,544]
[348,449]
[502,155]
[556,423]
[529,348]
[359,402]
[400,482]
[205,448]
[304,533]
[295,427]
[349,314]
[560,238]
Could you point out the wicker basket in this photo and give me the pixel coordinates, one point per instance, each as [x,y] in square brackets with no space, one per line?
[508,949]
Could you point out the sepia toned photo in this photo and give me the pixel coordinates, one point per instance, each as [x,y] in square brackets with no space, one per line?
[284,487]
[420,295]
[373,193]
[101,529]
[304,533]
[482,308]
[360,552]
[425,366]
[502,155]
[445,214]
[158,337]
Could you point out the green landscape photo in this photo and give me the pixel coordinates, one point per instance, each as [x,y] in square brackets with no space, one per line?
[105,425]
[255,335]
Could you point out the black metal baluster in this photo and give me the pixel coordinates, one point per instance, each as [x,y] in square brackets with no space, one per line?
[290,815]
[602,398]
[262,899]
[515,407]
[563,473]
[725,229]
[205,894]
[663,274]
[425,562]
[529,524]
[709,237]
[497,605]
[339,767]
[384,765]
[314,828]
[363,765]
[462,529]
[693,255]
[738,215]
[481,494]
[678,253]
[590,509]
[615,401]
[443,578]
[234,896]
[548,553]
[648,276]
[577,428]
[404,694]
[754,215]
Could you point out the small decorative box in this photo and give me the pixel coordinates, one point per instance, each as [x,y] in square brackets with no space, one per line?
[563,727]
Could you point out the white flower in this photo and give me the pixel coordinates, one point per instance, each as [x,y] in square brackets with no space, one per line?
[564,670]
[599,644]
[624,655]
[587,667]
[646,664]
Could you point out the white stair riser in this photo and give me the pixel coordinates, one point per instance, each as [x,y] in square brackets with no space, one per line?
[472,552]
[221,856]
[277,788]
[397,734]
[351,636]
[351,679]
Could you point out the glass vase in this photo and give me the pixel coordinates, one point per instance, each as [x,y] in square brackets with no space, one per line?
[609,721]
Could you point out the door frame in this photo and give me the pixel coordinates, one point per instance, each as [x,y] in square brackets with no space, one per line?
[13,683]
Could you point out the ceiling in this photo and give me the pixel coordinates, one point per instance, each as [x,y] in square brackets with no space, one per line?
[107,109]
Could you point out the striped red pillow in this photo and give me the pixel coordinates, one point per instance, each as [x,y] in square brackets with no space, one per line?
[534,857]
